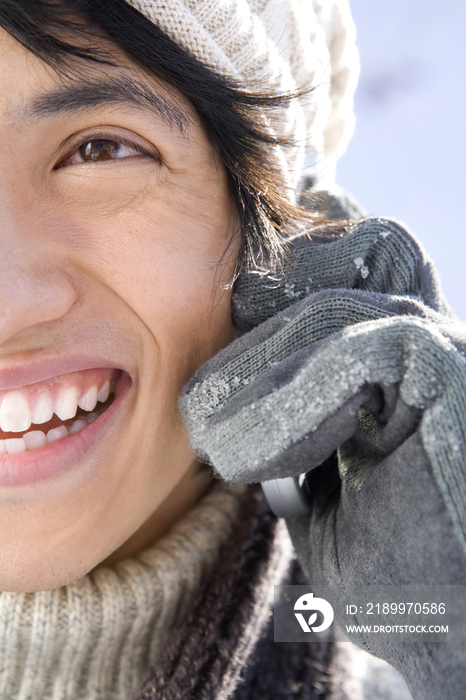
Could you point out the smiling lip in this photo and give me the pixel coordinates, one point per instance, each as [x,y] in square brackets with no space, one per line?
[31,371]
[28,468]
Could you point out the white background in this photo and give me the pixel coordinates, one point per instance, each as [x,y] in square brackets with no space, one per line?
[407,158]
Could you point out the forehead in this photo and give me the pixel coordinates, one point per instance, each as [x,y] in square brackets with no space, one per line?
[32,90]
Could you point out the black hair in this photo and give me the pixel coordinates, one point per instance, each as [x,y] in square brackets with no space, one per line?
[61,31]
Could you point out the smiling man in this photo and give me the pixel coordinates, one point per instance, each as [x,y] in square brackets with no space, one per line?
[136,182]
[116,213]
[151,180]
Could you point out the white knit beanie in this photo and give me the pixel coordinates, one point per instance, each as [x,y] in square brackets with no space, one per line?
[283,44]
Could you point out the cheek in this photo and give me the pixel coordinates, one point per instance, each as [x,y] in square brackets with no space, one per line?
[183,301]
[160,257]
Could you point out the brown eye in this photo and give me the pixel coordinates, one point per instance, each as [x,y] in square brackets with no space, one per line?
[104,149]
[99,150]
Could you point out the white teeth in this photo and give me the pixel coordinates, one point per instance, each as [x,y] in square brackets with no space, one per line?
[43,410]
[89,401]
[77,426]
[66,403]
[103,394]
[15,414]
[15,445]
[34,439]
[56,434]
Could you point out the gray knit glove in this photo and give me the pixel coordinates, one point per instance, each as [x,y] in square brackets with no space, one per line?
[373,371]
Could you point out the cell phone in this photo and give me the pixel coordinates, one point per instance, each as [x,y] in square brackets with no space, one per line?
[289,497]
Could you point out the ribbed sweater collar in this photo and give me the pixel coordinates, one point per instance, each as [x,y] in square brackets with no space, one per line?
[97,638]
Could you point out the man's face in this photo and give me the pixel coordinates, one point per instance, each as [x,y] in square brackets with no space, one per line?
[114,214]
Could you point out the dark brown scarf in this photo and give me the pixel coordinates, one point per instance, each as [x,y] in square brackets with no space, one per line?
[194,664]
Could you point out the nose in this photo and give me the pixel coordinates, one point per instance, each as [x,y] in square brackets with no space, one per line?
[33,290]
[35,285]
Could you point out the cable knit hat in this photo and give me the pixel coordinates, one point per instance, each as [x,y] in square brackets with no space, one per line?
[281,44]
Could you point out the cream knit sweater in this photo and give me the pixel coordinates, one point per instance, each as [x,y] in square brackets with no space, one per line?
[96,639]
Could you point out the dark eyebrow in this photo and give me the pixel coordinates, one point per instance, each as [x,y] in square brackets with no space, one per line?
[84,94]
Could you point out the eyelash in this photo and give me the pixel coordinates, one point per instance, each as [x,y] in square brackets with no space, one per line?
[112,138]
